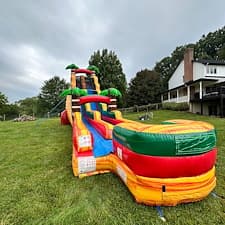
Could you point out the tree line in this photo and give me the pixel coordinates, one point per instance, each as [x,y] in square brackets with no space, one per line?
[144,88]
[39,105]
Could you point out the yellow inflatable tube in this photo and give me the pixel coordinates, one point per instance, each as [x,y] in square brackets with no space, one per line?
[153,191]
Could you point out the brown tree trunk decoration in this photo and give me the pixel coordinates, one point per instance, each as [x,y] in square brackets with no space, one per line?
[113,102]
[75,103]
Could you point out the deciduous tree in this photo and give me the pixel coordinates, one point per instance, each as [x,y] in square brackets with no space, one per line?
[110,71]
[28,106]
[9,110]
[144,89]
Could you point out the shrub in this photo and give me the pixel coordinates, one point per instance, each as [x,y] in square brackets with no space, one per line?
[182,106]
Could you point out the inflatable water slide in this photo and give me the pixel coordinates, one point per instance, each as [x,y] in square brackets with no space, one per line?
[165,164]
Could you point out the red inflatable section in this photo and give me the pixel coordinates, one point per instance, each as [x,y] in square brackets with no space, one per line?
[111,120]
[94,98]
[64,118]
[165,167]
[98,126]
[89,72]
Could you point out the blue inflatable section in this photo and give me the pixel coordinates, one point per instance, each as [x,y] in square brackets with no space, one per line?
[93,104]
[91,91]
[102,147]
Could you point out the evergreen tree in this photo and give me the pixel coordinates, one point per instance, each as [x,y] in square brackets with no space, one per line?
[3,100]
[50,94]
[110,71]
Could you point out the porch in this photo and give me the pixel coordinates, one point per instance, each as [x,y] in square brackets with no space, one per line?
[202,96]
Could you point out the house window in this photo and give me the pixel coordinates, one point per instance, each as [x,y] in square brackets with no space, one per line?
[165,96]
[183,92]
[173,94]
[211,69]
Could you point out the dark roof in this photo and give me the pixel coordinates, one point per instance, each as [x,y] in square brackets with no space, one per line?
[210,61]
[200,79]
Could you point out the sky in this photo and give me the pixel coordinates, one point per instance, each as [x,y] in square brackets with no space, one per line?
[38,38]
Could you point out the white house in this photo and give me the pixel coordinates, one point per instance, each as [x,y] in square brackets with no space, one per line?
[200,83]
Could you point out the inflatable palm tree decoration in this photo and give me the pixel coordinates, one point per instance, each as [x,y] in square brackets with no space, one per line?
[73,77]
[74,91]
[71,67]
[93,68]
[111,92]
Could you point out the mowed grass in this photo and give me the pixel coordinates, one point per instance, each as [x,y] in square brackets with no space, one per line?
[37,185]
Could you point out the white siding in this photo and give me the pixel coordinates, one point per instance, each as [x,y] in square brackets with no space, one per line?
[177,77]
[196,108]
[220,73]
[182,99]
[199,70]
[220,70]
[177,100]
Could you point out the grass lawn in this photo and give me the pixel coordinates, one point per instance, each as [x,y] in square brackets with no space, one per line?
[37,185]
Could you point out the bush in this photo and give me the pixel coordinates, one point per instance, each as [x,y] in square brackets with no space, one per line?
[183,106]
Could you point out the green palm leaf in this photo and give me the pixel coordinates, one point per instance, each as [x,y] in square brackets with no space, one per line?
[83,92]
[66,92]
[94,69]
[115,92]
[76,91]
[79,92]
[111,92]
[72,66]
[104,92]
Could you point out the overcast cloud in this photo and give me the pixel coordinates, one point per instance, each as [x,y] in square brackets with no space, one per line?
[38,38]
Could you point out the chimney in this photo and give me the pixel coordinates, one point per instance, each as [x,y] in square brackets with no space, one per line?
[188,64]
